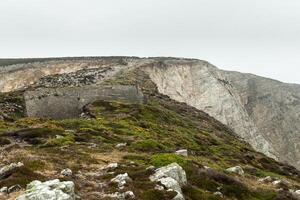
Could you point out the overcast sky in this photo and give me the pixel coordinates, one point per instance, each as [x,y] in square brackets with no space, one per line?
[256,36]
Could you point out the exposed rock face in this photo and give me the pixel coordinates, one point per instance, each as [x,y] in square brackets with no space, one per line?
[203,86]
[264,112]
[275,110]
[67,102]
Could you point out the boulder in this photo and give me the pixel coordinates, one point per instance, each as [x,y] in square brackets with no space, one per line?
[182,152]
[121,180]
[236,170]
[296,194]
[49,190]
[66,172]
[110,166]
[172,177]
[173,170]
[9,169]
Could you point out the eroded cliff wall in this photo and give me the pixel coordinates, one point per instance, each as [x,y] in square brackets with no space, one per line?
[264,112]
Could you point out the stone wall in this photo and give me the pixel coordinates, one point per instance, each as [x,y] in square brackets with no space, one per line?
[67,102]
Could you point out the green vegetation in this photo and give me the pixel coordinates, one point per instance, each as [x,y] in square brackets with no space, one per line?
[153,132]
[160,160]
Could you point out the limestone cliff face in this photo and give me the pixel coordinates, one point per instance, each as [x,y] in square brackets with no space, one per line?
[264,112]
[203,86]
[275,110]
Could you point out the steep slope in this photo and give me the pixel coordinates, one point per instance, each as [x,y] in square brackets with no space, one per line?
[262,111]
[275,110]
[136,136]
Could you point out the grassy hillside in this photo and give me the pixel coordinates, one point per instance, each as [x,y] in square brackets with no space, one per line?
[152,132]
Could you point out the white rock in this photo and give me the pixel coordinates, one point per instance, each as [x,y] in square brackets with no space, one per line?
[110,166]
[120,145]
[296,194]
[170,183]
[171,177]
[182,152]
[173,170]
[50,190]
[219,194]
[66,172]
[236,170]
[129,194]
[159,187]
[280,183]
[8,169]
[150,168]
[4,190]
[121,180]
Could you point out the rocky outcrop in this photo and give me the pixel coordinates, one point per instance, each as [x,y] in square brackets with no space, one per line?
[172,177]
[201,85]
[263,112]
[53,189]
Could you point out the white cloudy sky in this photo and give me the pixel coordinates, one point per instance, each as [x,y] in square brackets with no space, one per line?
[256,36]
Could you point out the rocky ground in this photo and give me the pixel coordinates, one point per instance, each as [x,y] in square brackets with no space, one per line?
[161,149]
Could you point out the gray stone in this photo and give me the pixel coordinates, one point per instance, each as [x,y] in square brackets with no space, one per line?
[182,152]
[121,180]
[50,190]
[9,169]
[219,194]
[110,166]
[172,177]
[159,187]
[296,194]
[66,172]
[121,145]
[4,190]
[173,170]
[236,170]
[170,183]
